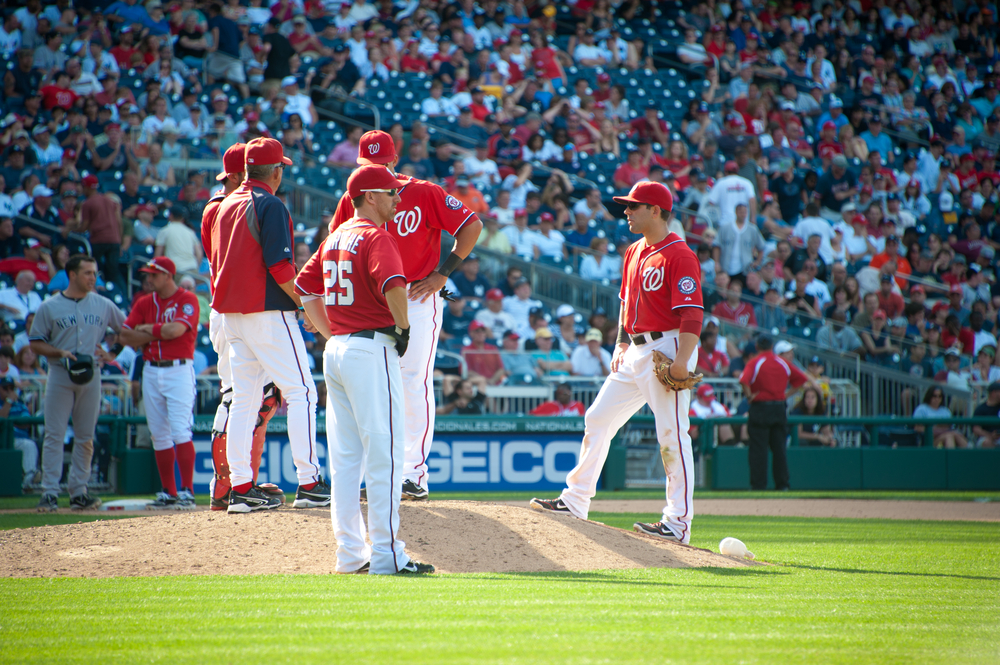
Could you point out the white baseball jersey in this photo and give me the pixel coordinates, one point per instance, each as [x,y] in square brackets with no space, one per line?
[727,193]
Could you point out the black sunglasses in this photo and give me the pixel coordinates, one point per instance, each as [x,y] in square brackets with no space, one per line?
[635,206]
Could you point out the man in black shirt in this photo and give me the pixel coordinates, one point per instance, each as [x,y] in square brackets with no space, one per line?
[836,187]
[23,79]
[465,401]
[468,279]
[988,435]
[280,52]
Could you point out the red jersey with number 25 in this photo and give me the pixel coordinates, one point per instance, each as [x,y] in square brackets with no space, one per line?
[424,210]
[181,307]
[351,272]
[657,281]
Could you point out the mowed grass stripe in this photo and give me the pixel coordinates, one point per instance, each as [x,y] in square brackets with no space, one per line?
[844,591]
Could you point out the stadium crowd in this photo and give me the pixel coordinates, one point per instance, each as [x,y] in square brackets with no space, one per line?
[833,163]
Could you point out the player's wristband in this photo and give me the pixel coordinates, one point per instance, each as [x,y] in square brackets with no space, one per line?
[157,328]
[623,337]
[450,263]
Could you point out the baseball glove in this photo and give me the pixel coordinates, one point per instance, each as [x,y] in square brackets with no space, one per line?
[661,367]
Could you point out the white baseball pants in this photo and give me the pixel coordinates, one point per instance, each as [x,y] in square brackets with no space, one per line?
[622,395]
[417,367]
[168,394]
[364,390]
[268,346]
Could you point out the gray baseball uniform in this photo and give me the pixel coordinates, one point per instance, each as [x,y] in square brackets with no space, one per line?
[77,326]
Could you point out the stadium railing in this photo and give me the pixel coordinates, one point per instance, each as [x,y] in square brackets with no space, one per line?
[39,225]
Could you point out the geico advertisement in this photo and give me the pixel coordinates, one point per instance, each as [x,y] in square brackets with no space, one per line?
[455,463]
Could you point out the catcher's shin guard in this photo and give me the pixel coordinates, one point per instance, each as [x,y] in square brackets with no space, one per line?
[220,482]
[268,407]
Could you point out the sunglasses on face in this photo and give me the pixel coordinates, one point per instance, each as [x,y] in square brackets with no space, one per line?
[390,192]
[636,206]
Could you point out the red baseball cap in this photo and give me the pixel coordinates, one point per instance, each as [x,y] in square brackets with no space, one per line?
[603,76]
[546,217]
[879,314]
[916,288]
[730,166]
[160,264]
[650,193]
[234,161]
[705,390]
[370,178]
[376,147]
[494,294]
[90,180]
[262,151]
[476,325]
[829,124]
[955,289]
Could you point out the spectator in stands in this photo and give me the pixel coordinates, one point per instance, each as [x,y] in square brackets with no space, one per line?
[739,246]
[179,243]
[811,403]
[101,218]
[520,305]
[988,436]
[522,239]
[837,336]
[597,265]
[730,191]
[470,282]
[711,361]
[7,368]
[497,321]
[565,328]
[223,61]
[836,188]
[732,309]
[492,236]
[945,436]
[466,400]
[483,360]
[878,344]
[706,406]
[521,367]
[590,359]
[36,259]
[17,301]
[549,357]
[984,371]
[889,300]
[11,406]
[10,242]
[455,323]
[562,405]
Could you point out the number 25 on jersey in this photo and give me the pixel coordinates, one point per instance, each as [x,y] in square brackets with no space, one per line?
[336,276]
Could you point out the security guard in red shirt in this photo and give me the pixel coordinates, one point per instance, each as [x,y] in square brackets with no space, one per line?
[765,380]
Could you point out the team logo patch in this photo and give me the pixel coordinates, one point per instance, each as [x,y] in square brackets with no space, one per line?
[652,278]
[188,309]
[687,285]
[452,203]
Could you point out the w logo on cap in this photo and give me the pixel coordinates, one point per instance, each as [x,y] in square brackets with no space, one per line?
[373,148]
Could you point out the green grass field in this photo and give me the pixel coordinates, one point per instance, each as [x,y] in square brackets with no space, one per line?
[840,591]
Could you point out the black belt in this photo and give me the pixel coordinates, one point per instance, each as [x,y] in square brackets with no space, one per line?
[370,334]
[166,363]
[639,340]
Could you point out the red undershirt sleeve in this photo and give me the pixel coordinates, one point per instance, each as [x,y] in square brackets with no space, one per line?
[691,318]
[282,272]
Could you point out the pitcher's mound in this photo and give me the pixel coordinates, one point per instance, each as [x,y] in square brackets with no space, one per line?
[455,536]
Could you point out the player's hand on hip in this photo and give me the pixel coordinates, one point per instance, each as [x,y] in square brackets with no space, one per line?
[427,287]
[616,359]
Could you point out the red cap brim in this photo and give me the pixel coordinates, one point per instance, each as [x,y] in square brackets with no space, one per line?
[625,200]
[388,159]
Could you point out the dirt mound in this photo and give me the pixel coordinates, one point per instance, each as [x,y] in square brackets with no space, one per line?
[455,536]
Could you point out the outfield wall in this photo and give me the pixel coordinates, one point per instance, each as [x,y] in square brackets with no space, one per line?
[476,454]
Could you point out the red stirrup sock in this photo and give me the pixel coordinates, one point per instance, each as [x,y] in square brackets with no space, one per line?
[165,465]
[185,462]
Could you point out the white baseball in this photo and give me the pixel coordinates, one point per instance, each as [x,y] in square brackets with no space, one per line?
[735,547]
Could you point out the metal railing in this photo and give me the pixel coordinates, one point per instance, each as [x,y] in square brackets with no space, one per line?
[132,284]
[43,226]
[348,99]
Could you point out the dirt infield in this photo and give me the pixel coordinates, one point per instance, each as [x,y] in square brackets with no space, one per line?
[455,536]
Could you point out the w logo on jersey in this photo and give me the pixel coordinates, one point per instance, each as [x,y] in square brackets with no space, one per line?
[169,313]
[652,278]
[408,221]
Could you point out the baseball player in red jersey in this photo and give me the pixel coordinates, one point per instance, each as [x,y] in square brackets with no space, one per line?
[354,290]
[165,322]
[231,178]
[425,209]
[661,310]
[254,292]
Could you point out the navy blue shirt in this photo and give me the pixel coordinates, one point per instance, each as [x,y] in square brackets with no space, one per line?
[229,35]
[476,288]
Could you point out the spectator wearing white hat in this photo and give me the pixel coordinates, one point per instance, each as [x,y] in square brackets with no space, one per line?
[590,358]
[298,102]
[47,151]
[40,208]
[565,329]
